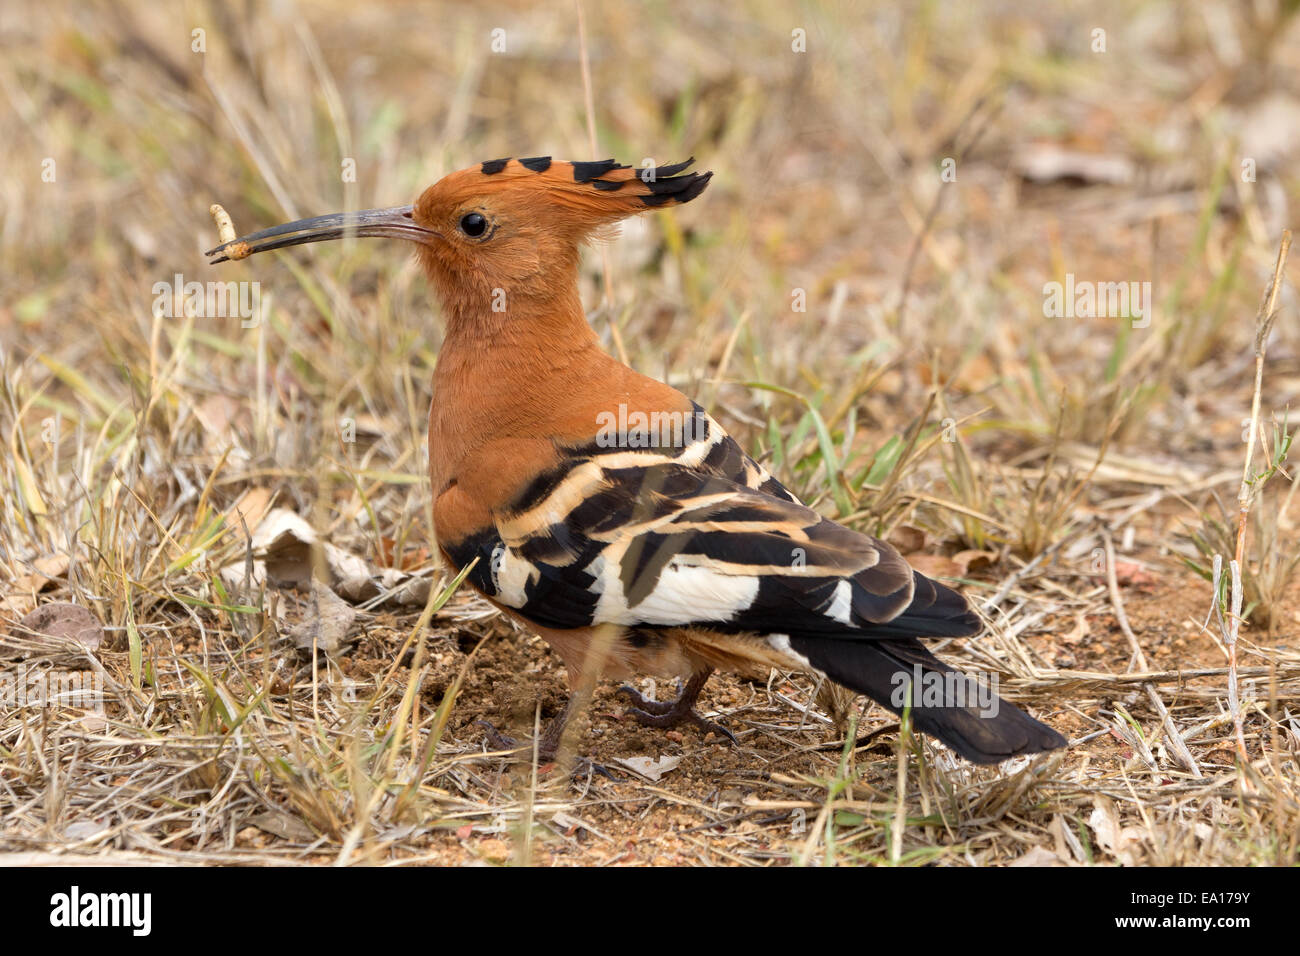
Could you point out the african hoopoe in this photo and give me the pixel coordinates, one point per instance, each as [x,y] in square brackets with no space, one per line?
[666,549]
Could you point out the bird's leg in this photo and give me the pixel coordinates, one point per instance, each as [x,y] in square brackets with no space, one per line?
[548,745]
[658,713]
[548,742]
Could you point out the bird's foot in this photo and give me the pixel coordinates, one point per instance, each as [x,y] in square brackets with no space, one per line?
[548,748]
[660,713]
[499,741]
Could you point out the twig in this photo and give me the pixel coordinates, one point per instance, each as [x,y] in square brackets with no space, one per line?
[1015,578]
[1126,726]
[1263,326]
[1176,742]
[900,793]
[1118,603]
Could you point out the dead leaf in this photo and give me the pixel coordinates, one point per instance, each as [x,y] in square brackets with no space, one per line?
[652,770]
[935,565]
[86,829]
[44,572]
[907,538]
[1038,856]
[14,606]
[52,627]
[973,558]
[401,588]
[33,577]
[278,823]
[249,510]
[1065,840]
[1123,843]
[283,545]
[410,558]
[1049,163]
[326,620]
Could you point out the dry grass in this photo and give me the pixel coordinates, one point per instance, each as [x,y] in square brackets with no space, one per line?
[923,394]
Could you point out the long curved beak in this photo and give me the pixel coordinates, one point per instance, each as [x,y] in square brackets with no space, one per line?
[393,223]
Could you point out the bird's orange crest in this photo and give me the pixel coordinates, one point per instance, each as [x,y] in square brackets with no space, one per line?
[573,197]
[515,224]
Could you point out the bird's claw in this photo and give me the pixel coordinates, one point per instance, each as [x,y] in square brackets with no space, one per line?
[648,705]
[497,740]
[546,752]
[659,713]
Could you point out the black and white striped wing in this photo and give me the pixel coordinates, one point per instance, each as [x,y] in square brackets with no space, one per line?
[618,541]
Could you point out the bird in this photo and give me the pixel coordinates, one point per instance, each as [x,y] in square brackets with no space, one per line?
[613,516]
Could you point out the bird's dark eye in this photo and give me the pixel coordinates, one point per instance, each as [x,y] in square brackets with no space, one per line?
[473,224]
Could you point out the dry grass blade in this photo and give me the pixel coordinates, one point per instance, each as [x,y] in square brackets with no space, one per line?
[1264,320]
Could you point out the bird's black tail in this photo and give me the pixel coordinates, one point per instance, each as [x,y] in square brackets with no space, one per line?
[946,703]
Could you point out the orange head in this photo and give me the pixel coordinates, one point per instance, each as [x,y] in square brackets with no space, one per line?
[507,228]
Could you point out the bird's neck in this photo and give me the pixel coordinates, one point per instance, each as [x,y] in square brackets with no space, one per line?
[532,371]
[528,349]
[510,372]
